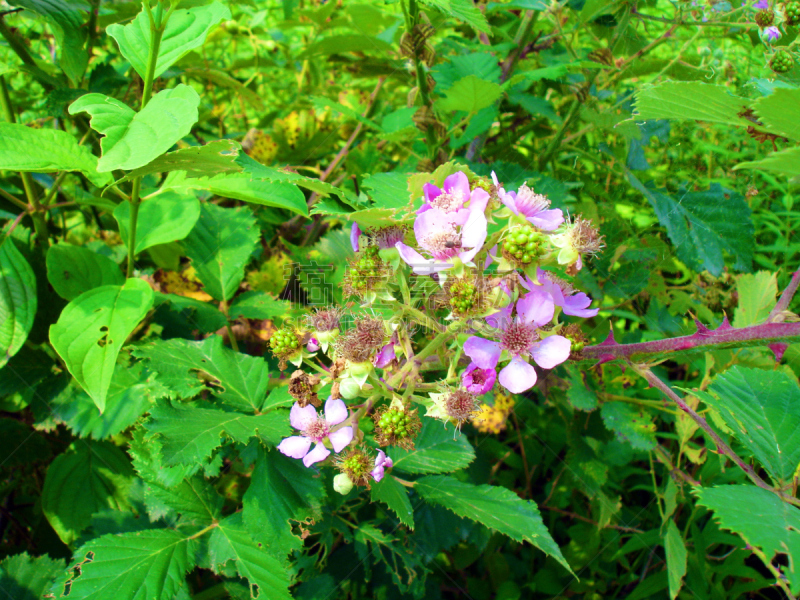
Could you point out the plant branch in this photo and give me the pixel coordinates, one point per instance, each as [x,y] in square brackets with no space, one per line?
[786,297]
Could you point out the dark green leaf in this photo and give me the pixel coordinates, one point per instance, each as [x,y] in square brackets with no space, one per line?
[194,499]
[196,161]
[24,577]
[676,558]
[17,300]
[206,317]
[73,270]
[258,305]
[630,423]
[439,448]
[168,217]
[394,495]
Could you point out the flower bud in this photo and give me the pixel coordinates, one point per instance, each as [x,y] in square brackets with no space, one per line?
[342,484]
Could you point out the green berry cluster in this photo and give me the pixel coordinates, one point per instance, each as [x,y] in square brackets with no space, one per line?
[765,18]
[365,269]
[394,423]
[522,243]
[463,295]
[792,12]
[284,341]
[781,62]
[356,465]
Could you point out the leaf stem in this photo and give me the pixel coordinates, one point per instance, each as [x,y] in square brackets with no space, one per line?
[203,531]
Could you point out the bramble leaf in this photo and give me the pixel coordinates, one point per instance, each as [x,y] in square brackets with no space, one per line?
[394,495]
[17,300]
[690,100]
[462,10]
[93,328]
[24,577]
[630,423]
[470,95]
[196,161]
[437,449]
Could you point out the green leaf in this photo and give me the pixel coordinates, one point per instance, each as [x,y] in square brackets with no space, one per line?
[495,507]
[24,577]
[439,448]
[230,541]
[763,410]
[133,139]
[165,218]
[676,559]
[70,31]
[275,175]
[348,42]
[394,495]
[756,292]
[73,270]
[258,305]
[206,317]
[481,64]
[82,481]
[17,300]
[220,79]
[762,520]
[244,187]
[148,461]
[281,490]
[189,434]
[703,225]
[46,150]
[236,379]
[186,30]
[373,546]
[780,112]
[630,423]
[388,190]
[786,162]
[93,328]
[578,394]
[470,95]
[682,100]
[462,10]
[196,161]
[130,566]
[220,245]
[194,499]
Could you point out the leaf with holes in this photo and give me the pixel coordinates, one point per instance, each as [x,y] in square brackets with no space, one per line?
[24,577]
[93,328]
[132,140]
[166,218]
[186,30]
[785,162]
[73,270]
[220,245]
[437,449]
[89,477]
[129,566]
[17,300]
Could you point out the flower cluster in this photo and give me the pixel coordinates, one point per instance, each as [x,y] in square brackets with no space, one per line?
[497,261]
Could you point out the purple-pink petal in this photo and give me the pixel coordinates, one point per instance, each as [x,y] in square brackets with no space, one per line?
[320,452]
[473,232]
[431,192]
[300,417]
[295,446]
[355,232]
[341,437]
[312,345]
[518,376]
[456,184]
[483,353]
[536,307]
[551,351]
[478,381]
[377,473]
[548,220]
[385,356]
[419,264]
[576,305]
[478,200]
[335,411]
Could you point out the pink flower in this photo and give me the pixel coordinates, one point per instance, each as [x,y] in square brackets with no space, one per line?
[355,233]
[451,198]
[312,345]
[478,381]
[533,207]
[317,429]
[520,339]
[382,462]
[385,355]
[564,295]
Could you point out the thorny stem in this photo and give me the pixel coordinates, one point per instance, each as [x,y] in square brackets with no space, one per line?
[722,447]
[785,299]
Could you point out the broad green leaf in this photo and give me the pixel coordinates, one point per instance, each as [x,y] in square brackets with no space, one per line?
[24,577]
[756,297]
[220,245]
[141,565]
[194,498]
[630,423]
[676,558]
[186,30]
[89,477]
[348,42]
[93,328]
[595,8]
[73,270]
[17,300]
[165,218]
[68,20]
[231,541]
[258,305]
[282,490]
[394,495]
[763,410]
[196,161]
[148,461]
[275,175]
[780,112]
[495,507]
[46,150]
[703,225]
[206,317]
[236,379]
[133,139]
[388,190]
[189,434]
[762,520]
[462,10]
[481,64]
[438,448]
[691,100]
[470,95]
[373,546]
[786,162]
[579,396]
[245,187]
